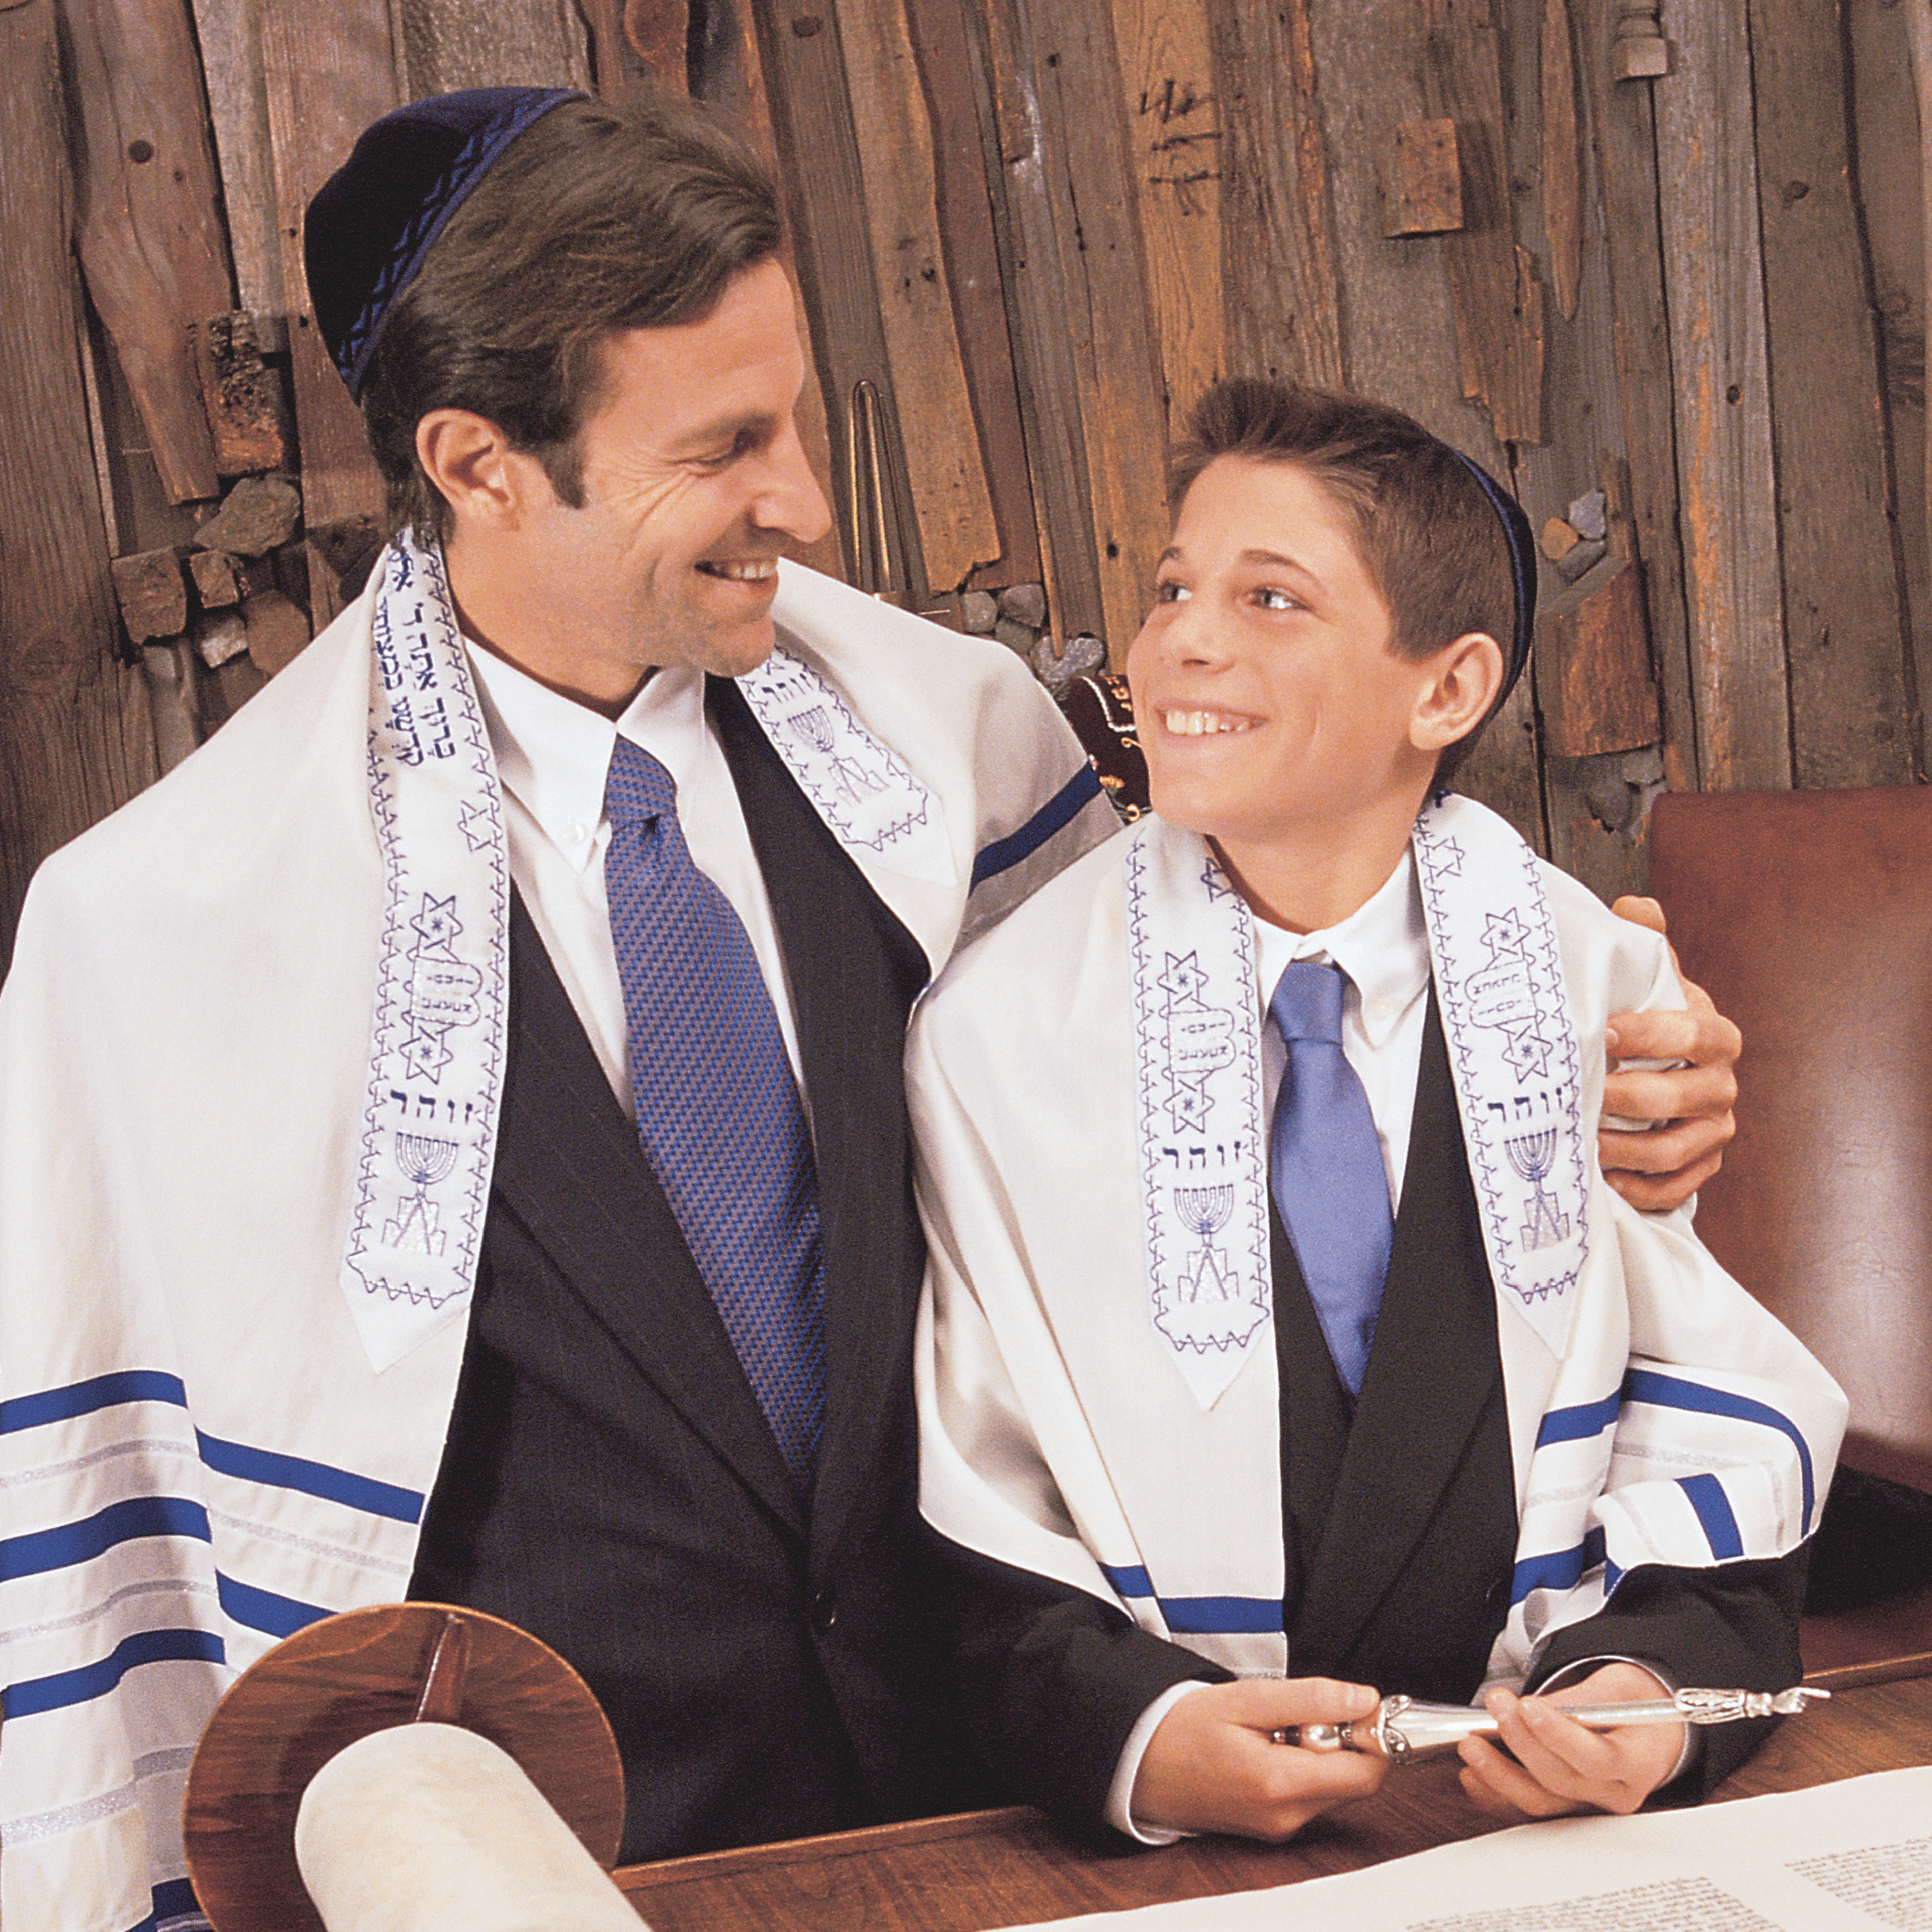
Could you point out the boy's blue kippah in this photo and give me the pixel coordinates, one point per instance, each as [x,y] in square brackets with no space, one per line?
[1522,565]
[375,219]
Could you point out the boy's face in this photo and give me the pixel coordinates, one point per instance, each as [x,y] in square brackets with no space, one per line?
[1274,714]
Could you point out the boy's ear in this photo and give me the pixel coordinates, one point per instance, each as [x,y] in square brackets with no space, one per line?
[470,462]
[1464,678]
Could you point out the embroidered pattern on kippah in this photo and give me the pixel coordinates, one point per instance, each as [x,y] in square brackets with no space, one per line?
[444,196]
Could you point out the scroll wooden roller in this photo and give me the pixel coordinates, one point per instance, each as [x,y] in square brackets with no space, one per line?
[343,1680]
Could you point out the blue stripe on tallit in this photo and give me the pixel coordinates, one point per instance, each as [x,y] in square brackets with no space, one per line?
[1580,1423]
[1671,1392]
[1221,1615]
[41,1550]
[1714,1514]
[63,1405]
[38,1694]
[1005,854]
[175,1905]
[263,1610]
[1200,1615]
[269,1467]
[1557,1569]
[312,1479]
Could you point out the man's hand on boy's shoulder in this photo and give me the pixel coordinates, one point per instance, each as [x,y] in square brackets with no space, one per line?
[1660,1167]
[1214,1766]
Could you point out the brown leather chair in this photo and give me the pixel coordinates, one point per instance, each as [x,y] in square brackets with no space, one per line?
[1808,915]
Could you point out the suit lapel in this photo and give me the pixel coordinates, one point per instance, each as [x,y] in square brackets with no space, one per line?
[569,1166]
[854,971]
[1432,1371]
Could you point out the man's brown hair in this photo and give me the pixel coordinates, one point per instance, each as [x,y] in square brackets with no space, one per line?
[598,218]
[1430,539]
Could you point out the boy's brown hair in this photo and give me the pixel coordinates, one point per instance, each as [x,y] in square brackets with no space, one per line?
[596,218]
[1428,535]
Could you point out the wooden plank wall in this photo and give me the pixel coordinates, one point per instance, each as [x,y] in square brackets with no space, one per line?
[1658,262]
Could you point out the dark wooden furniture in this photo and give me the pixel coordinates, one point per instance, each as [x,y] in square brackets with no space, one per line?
[1015,1867]
[1807,916]
[335,1682]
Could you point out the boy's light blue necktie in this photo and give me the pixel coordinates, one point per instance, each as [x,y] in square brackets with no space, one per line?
[1325,1167]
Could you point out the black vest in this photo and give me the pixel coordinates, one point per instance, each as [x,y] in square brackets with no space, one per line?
[1399,1508]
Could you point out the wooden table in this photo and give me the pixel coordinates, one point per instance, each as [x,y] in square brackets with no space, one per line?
[986,1869]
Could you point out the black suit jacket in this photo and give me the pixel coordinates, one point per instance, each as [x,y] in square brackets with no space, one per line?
[1399,1529]
[769,1662]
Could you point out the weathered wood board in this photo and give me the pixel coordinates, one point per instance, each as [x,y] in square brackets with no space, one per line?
[329,75]
[1714,281]
[944,469]
[1280,271]
[811,118]
[726,70]
[451,43]
[1087,182]
[1845,620]
[1645,485]
[1494,286]
[152,237]
[75,737]
[1175,141]
[948,77]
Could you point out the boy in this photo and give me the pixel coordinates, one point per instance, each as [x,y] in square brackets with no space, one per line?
[1339,1370]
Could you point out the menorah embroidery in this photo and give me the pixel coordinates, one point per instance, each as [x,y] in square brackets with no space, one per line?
[814,727]
[1206,1310]
[1532,1155]
[1205,1212]
[424,1162]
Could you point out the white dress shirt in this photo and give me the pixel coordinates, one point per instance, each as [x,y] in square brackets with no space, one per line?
[553,756]
[1383,946]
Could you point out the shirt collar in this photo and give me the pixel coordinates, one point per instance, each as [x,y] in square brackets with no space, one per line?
[1383,946]
[553,754]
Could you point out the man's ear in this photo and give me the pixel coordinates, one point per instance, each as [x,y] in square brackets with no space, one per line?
[1462,681]
[470,462]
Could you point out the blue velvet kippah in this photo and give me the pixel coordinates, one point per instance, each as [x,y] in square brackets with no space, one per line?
[374,219]
[1522,565]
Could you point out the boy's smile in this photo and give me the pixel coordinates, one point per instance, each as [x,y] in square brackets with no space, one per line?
[1275,718]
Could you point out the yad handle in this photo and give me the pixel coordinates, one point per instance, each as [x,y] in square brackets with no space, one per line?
[1404,1728]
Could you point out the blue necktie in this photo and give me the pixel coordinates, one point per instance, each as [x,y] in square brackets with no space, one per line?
[717,1109]
[1325,1167]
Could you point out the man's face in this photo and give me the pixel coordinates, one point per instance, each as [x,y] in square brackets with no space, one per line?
[1274,714]
[694,482]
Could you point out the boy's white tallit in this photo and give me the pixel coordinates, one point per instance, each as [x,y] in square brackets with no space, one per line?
[236,1246]
[1073,1425]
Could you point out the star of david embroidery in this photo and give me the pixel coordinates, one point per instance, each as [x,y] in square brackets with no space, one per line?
[476,824]
[1200,1041]
[1506,934]
[442,990]
[1216,881]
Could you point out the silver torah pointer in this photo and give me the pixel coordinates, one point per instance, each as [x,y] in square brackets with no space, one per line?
[1403,1730]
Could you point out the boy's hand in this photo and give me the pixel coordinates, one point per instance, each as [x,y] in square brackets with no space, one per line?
[1212,1766]
[1662,1167]
[1561,1767]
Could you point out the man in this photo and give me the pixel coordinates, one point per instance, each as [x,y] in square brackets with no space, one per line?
[364,1081]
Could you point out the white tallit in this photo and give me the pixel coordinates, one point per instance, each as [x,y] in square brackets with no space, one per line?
[1099,1402]
[249,1051]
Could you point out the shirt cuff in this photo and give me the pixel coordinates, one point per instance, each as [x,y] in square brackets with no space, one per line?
[1120,1792]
